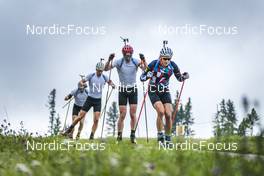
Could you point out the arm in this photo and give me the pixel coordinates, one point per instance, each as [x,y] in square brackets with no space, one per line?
[148,73]
[108,64]
[86,79]
[110,83]
[180,77]
[143,63]
[70,95]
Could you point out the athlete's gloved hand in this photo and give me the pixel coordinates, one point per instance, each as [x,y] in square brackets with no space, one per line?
[111,56]
[142,57]
[149,74]
[113,86]
[185,75]
[143,77]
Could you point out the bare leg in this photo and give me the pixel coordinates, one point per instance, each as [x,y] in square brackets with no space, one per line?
[120,123]
[133,110]
[160,127]
[133,121]
[75,121]
[160,113]
[95,121]
[79,118]
[168,115]
[71,133]
[80,129]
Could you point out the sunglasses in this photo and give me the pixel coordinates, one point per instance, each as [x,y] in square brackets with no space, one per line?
[166,59]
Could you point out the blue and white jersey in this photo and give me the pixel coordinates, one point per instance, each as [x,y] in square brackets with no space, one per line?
[96,84]
[161,75]
[79,96]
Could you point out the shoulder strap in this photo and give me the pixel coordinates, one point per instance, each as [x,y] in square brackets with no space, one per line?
[105,78]
[122,61]
[91,77]
[77,92]
[170,66]
[133,61]
[156,66]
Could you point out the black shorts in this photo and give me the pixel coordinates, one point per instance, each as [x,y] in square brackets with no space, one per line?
[155,96]
[92,102]
[76,109]
[127,94]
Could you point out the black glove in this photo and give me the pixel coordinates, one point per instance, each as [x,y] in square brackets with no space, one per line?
[111,57]
[142,57]
[185,75]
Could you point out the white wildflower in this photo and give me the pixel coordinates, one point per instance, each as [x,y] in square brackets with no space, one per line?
[23,168]
[35,163]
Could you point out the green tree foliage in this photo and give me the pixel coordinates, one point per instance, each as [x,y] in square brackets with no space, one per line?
[231,118]
[243,126]
[183,116]
[217,124]
[57,125]
[225,119]
[188,120]
[54,122]
[252,120]
[112,119]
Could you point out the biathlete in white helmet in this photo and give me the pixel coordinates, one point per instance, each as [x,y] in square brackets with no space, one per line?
[96,82]
[159,72]
[80,95]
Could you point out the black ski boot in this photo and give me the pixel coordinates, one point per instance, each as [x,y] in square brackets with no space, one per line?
[68,132]
[168,141]
[78,136]
[161,138]
[119,136]
[133,137]
[91,136]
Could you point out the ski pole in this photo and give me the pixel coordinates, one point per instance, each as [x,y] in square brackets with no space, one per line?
[69,103]
[146,118]
[144,99]
[106,99]
[177,104]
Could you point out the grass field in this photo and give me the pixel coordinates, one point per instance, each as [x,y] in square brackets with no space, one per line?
[109,158]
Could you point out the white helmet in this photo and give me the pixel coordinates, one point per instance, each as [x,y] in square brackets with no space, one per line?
[166,52]
[100,66]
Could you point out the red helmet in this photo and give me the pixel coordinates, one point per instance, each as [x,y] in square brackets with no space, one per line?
[127,49]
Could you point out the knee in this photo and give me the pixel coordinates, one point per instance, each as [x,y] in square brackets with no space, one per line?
[168,114]
[160,112]
[82,115]
[132,114]
[122,114]
[96,121]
